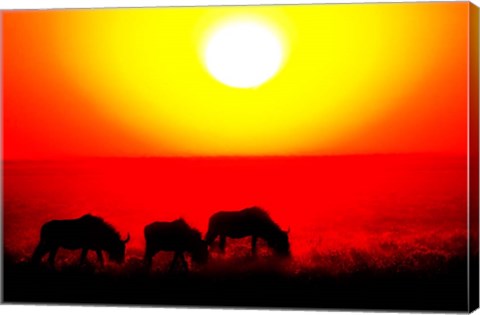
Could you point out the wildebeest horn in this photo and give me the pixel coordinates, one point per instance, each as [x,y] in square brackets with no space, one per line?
[127,239]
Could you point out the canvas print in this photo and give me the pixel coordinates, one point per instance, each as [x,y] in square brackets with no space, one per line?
[283,156]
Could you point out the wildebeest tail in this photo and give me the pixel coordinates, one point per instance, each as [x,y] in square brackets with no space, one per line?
[212,231]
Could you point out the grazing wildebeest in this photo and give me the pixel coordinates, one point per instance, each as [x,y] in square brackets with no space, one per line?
[176,236]
[86,233]
[254,222]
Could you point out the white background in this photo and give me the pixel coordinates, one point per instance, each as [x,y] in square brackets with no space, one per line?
[77,310]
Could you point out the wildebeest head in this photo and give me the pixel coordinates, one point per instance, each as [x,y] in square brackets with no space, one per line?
[280,243]
[199,249]
[116,250]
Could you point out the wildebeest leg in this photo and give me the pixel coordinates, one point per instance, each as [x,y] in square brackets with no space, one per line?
[174,262]
[147,260]
[39,252]
[223,240]
[184,262]
[51,256]
[149,253]
[100,257]
[83,256]
[254,244]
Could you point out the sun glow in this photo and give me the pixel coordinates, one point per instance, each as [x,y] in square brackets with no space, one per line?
[235,81]
[243,54]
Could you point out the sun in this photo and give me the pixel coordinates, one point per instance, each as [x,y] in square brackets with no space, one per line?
[243,54]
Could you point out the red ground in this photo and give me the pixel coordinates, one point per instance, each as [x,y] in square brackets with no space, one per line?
[406,211]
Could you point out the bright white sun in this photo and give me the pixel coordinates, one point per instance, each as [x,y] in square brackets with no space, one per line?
[243,54]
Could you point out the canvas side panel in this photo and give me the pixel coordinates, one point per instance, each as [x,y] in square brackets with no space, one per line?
[474,158]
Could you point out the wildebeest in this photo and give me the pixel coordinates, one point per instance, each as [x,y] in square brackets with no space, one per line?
[176,236]
[254,222]
[87,233]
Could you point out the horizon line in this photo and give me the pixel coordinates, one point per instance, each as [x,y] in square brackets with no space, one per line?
[205,157]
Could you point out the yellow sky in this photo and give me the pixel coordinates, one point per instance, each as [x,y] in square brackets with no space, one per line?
[349,70]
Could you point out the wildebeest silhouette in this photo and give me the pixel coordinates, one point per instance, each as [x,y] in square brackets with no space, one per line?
[87,233]
[254,222]
[176,236]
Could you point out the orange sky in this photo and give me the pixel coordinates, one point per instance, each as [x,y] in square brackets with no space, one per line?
[378,78]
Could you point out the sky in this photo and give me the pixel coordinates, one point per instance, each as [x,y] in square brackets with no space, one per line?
[355,79]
